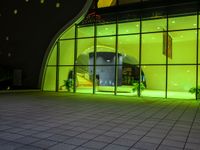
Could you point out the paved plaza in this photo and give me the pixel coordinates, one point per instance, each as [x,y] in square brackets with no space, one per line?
[61,121]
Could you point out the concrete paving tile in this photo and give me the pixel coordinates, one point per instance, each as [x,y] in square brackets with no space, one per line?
[44,143]
[166,147]
[42,135]
[156,134]
[5,127]
[124,142]
[94,145]
[113,134]
[15,130]
[10,146]
[76,141]
[71,132]
[3,141]
[104,138]
[59,138]
[173,143]
[83,148]
[95,131]
[131,136]
[115,147]
[10,136]
[87,136]
[29,147]
[26,140]
[146,146]
[176,138]
[27,132]
[62,146]
[153,140]
[192,146]
[193,140]
[137,132]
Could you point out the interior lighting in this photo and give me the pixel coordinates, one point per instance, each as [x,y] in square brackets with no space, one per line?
[108,60]
[137,25]
[42,1]
[15,11]
[158,28]
[188,71]
[194,24]
[173,21]
[26,0]
[57,5]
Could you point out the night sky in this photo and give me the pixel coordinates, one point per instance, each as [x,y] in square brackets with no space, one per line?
[26,29]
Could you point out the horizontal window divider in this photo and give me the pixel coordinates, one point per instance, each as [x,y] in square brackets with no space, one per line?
[51,65]
[126,65]
[181,64]
[113,35]
[65,65]
[66,39]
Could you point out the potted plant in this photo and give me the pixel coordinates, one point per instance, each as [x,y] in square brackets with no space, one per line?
[68,84]
[139,87]
[195,91]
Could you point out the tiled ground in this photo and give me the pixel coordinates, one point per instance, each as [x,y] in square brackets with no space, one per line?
[50,121]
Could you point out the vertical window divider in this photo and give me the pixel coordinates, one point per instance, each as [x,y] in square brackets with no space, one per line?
[95,51]
[140,50]
[116,52]
[166,49]
[57,64]
[75,56]
[197,58]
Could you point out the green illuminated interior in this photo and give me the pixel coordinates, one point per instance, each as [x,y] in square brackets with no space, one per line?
[181,69]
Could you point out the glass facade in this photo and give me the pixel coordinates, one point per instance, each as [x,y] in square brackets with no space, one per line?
[149,57]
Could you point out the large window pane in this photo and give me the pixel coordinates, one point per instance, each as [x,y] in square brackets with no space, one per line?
[66,78]
[50,79]
[127,75]
[69,33]
[180,79]
[152,49]
[84,47]
[154,25]
[182,45]
[154,78]
[66,52]
[199,48]
[103,30]
[186,22]
[128,46]
[86,31]
[84,79]
[128,70]
[105,51]
[105,79]
[53,55]
[129,27]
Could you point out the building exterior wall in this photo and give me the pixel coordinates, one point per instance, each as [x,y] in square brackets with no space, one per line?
[168,66]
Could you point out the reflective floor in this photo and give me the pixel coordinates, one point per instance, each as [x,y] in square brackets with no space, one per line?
[63,121]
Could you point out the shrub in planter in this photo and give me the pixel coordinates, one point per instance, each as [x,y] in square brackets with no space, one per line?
[193,90]
[138,87]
